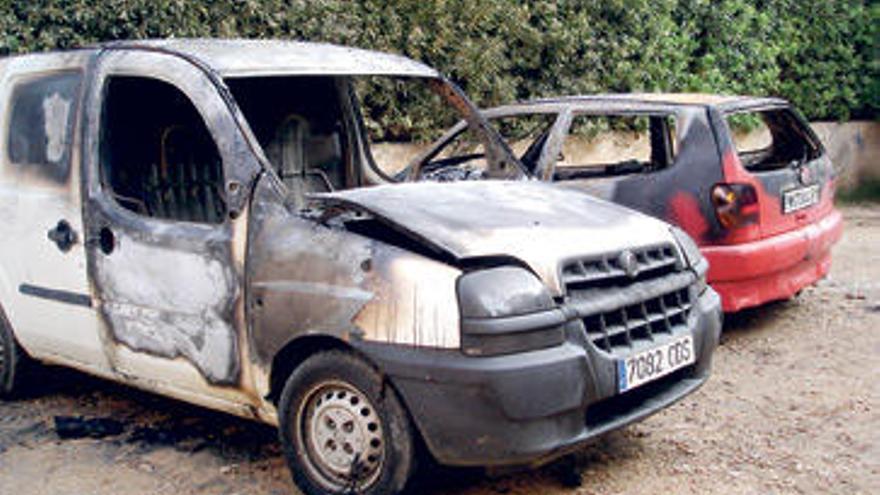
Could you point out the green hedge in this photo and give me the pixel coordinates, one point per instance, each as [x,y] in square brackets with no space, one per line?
[821,54]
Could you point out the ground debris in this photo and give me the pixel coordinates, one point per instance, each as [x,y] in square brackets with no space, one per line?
[71,427]
[568,472]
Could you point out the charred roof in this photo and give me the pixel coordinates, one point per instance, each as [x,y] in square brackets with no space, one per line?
[243,57]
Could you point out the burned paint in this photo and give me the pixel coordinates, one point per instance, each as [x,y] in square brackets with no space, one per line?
[415,301]
[308,278]
[448,220]
[171,303]
[302,277]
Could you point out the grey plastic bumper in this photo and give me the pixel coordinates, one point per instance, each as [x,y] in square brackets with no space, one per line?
[530,407]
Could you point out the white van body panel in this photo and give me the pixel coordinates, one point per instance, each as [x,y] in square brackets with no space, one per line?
[48,329]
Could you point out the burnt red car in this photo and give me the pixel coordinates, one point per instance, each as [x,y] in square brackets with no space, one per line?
[759,203]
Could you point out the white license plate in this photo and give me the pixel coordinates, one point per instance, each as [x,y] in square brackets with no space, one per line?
[798,199]
[645,366]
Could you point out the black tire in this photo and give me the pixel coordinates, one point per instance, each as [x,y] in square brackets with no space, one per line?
[333,406]
[14,363]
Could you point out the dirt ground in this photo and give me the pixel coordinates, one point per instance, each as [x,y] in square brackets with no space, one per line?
[793,407]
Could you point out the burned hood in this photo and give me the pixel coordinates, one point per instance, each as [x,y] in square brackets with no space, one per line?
[540,224]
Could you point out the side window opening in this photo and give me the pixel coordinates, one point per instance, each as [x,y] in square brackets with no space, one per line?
[609,145]
[41,124]
[158,158]
[771,139]
[299,123]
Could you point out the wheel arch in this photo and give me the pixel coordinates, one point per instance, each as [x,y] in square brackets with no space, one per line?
[295,352]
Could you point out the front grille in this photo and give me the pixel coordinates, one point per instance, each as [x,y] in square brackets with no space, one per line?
[622,328]
[654,296]
[607,270]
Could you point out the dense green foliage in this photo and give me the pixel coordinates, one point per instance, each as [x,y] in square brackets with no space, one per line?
[821,54]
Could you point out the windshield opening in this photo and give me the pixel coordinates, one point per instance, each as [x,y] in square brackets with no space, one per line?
[403,116]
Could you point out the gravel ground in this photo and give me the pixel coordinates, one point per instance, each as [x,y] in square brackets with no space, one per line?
[793,407]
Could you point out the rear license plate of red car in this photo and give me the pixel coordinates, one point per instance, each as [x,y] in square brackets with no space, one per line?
[800,198]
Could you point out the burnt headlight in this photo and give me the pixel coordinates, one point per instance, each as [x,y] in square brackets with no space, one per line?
[506,310]
[693,257]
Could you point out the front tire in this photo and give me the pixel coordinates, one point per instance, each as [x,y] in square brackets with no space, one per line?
[14,363]
[343,430]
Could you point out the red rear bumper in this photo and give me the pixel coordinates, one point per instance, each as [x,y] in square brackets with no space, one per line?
[775,268]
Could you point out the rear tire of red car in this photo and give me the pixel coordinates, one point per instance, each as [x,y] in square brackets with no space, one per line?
[343,430]
[15,365]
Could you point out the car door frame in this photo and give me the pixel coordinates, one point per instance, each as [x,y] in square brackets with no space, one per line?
[174,369]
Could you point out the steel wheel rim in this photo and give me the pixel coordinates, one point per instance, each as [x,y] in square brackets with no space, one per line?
[334,423]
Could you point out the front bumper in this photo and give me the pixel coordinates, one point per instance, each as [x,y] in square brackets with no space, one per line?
[528,408]
[774,268]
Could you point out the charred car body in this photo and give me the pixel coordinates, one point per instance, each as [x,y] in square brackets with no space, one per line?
[186,217]
[760,205]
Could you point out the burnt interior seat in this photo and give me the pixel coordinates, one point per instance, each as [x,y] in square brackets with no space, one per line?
[185,183]
[291,151]
[299,123]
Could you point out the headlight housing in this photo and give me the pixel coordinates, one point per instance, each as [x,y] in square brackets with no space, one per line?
[694,258]
[506,310]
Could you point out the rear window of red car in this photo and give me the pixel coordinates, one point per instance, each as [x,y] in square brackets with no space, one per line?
[771,139]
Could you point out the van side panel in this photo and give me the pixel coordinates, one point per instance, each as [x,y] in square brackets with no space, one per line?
[305,278]
[45,287]
[8,194]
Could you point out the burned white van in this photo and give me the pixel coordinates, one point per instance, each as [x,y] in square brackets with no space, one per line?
[190,217]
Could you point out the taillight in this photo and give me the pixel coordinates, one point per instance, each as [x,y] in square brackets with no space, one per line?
[736,205]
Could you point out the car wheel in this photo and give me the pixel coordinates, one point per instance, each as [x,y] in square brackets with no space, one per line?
[13,362]
[343,430]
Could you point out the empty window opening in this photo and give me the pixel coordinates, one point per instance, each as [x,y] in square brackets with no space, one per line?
[608,145]
[299,123]
[771,139]
[157,157]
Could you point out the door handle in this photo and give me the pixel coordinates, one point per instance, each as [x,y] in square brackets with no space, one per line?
[63,236]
